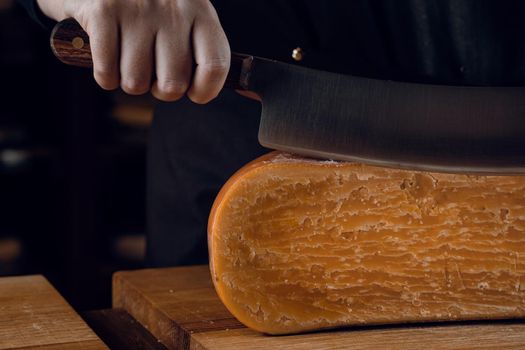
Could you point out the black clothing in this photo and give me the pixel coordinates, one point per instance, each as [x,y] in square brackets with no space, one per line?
[194,149]
[35,12]
[471,42]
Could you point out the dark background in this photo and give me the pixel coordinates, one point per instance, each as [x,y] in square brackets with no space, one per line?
[72,169]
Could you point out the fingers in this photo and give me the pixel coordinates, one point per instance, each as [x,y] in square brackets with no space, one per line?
[136,59]
[173,64]
[104,44]
[130,39]
[212,57]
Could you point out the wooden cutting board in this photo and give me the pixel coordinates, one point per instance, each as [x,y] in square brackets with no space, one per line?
[34,315]
[180,307]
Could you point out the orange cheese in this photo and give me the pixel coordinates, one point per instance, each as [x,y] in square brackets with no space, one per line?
[298,245]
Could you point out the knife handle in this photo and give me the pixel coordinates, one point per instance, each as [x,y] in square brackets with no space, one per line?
[70,44]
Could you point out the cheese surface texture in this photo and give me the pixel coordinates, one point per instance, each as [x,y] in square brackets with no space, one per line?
[298,244]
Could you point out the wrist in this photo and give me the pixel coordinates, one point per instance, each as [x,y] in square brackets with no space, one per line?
[53,9]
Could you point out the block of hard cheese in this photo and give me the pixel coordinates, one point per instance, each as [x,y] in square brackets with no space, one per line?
[298,244]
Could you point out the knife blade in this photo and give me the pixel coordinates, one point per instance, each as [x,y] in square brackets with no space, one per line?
[460,129]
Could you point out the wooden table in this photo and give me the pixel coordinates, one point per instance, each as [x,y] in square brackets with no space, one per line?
[34,315]
[181,309]
[177,308]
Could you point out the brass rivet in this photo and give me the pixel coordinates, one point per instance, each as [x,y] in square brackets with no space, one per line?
[78,42]
[297,54]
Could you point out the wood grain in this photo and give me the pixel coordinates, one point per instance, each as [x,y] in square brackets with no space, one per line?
[180,307]
[501,336]
[120,331]
[172,303]
[34,315]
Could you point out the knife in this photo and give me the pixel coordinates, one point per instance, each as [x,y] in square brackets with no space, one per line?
[459,129]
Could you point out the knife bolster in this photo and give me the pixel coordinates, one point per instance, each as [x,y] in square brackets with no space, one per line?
[239,74]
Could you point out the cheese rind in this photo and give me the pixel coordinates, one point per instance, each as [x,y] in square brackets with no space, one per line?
[298,245]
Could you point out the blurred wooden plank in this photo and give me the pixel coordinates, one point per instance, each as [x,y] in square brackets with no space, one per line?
[172,303]
[120,331]
[84,345]
[440,337]
[179,306]
[133,115]
[34,315]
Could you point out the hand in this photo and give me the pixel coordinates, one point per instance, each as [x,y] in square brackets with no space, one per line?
[135,40]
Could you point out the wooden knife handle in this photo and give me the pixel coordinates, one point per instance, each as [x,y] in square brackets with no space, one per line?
[70,44]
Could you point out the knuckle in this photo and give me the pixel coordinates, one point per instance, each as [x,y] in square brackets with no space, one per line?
[171,89]
[142,7]
[134,86]
[206,9]
[201,98]
[103,7]
[107,84]
[106,78]
[104,71]
[173,9]
[215,69]
[181,8]
[176,13]
[198,100]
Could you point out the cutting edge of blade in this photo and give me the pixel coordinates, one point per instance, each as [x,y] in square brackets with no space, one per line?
[453,169]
